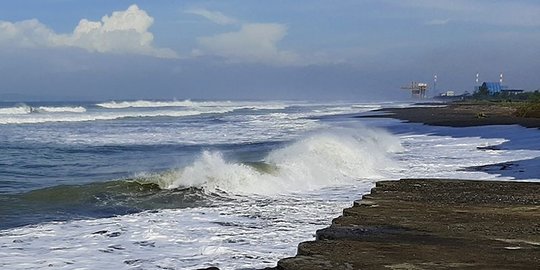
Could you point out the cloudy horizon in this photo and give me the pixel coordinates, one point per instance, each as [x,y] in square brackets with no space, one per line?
[361,50]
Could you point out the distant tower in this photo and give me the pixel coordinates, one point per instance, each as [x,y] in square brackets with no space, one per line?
[435,84]
[418,90]
[477,84]
[501,78]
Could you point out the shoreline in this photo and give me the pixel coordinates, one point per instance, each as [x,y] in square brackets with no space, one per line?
[458,115]
[435,223]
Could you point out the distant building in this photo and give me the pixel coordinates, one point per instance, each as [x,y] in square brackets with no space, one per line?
[448,93]
[491,87]
[512,91]
[418,90]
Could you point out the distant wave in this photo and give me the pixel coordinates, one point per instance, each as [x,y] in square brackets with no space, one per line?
[78,109]
[144,104]
[19,109]
[34,118]
[25,109]
[324,159]
[193,104]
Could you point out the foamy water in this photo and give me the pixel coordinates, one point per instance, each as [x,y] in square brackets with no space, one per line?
[264,180]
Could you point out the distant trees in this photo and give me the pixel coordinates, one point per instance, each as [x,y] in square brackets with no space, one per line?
[483,94]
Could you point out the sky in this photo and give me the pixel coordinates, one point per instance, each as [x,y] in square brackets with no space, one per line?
[358,50]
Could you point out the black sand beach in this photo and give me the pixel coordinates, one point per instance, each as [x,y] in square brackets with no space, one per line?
[461,115]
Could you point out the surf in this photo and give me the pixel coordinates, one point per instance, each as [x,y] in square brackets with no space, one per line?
[318,160]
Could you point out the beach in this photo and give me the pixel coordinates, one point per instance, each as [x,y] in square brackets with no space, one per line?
[461,115]
[437,223]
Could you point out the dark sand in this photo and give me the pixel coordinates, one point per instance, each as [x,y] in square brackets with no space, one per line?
[460,115]
[431,224]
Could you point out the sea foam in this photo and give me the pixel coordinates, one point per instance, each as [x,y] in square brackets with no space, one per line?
[19,109]
[192,104]
[77,109]
[319,160]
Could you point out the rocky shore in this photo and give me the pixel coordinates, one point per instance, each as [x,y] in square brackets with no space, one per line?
[431,224]
[461,115]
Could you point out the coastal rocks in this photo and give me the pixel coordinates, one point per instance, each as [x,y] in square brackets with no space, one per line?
[431,224]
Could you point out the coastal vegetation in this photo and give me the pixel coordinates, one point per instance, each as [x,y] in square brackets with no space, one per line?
[525,104]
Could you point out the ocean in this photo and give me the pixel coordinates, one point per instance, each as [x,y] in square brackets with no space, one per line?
[192,184]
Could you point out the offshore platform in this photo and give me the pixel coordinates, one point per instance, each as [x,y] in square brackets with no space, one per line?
[418,90]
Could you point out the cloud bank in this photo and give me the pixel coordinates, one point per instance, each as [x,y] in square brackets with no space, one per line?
[122,32]
[252,43]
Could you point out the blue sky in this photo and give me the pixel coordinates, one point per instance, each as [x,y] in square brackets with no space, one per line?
[241,49]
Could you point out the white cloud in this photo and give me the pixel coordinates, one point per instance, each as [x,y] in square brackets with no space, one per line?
[122,32]
[214,16]
[254,42]
[29,33]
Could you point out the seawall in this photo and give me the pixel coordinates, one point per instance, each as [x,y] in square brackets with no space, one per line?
[431,224]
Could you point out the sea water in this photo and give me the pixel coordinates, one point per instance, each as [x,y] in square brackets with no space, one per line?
[190,184]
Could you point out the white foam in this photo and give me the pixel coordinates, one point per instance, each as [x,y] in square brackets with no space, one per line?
[20,109]
[193,104]
[80,117]
[144,104]
[448,157]
[243,233]
[319,160]
[77,109]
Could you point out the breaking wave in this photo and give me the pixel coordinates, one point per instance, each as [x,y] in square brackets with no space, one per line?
[77,109]
[145,104]
[189,103]
[44,118]
[22,109]
[316,161]
[19,109]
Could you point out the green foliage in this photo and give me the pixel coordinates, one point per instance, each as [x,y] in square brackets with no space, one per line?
[529,109]
[483,95]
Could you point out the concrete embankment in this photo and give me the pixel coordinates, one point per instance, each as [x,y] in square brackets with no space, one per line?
[431,224]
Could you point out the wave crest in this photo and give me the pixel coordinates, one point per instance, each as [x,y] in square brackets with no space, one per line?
[191,104]
[77,109]
[319,160]
[144,104]
[18,109]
